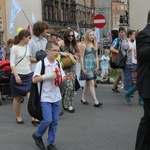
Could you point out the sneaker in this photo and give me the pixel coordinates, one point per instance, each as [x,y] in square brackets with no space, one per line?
[51,147]
[71,109]
[115,90]
[141,102]
[127,98]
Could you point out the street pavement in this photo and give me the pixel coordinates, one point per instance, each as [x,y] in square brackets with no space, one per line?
[110,127]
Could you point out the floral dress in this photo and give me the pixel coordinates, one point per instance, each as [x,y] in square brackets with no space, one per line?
[89,64]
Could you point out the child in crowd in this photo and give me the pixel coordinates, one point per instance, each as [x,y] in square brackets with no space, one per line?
[50,96]
[104,64]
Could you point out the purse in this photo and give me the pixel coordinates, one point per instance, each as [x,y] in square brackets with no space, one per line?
[77,85]
[119,61]
[40,55]
[34,104]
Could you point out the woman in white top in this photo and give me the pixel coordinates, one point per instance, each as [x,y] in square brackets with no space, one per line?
[21,77]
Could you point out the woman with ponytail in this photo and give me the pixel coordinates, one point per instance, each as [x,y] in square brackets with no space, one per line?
[21,76]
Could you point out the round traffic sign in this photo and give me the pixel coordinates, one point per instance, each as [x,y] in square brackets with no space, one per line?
[99,21]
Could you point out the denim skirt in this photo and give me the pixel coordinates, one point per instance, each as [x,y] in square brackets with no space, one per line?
[23,88]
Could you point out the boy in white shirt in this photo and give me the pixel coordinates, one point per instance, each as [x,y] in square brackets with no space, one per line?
[50,96]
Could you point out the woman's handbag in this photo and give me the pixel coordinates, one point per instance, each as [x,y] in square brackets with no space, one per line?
[34,104]
[77,85]
[119,61]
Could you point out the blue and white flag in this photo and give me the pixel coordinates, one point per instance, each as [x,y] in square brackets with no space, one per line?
[33,19]
[15,9]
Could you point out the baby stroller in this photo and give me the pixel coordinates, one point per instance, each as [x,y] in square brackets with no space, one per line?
[5,71]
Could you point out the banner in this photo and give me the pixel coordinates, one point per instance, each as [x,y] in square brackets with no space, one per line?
[15,9]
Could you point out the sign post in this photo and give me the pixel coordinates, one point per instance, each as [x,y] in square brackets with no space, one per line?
[99,21]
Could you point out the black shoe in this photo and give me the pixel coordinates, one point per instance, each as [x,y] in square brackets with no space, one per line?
[61,113]
[71,109]
[98,105]
[115,90]
[51,147]
[20,122]
[38,142]
[84,102]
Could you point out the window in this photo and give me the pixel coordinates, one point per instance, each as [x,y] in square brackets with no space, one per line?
[56,12]
[62,14]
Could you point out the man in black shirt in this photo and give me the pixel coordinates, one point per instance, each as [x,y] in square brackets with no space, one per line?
[143,84]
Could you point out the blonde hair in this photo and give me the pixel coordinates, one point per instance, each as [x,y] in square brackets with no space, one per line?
[86,39]
[107,51]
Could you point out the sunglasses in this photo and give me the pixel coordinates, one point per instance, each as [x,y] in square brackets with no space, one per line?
[70,35]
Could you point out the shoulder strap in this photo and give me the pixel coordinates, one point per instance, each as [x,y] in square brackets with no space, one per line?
[118,46]
[22,57]
[58,64]
[42,72]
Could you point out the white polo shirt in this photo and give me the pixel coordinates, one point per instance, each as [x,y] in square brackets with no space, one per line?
[36,44]
[50,92]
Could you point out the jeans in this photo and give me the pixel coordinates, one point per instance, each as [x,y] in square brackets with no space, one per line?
[127,78]
[50,113]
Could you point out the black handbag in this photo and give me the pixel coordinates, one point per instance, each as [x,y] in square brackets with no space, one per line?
[119,61]
[40,55]
[34,104]
[77,85]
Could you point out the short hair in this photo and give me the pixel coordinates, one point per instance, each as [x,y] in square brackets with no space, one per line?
[148,17]
[39,27]
[121,29]
[50,44]
[10,41]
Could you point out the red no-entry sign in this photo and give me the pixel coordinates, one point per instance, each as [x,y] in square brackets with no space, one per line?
[99,21]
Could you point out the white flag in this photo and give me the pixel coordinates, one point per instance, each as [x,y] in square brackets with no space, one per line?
[15,9]
[33,19]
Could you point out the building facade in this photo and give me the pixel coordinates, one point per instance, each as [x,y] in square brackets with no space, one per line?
[119,14]
[2,20]
[104,7]
[138,11]
[60,14]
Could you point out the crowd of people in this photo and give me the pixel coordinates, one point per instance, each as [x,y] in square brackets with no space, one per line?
[84,66]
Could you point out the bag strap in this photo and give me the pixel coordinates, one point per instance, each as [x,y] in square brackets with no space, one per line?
[42,72]
[22,57]
[58,64]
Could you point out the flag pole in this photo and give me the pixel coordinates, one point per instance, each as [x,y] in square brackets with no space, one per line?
[26,17]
